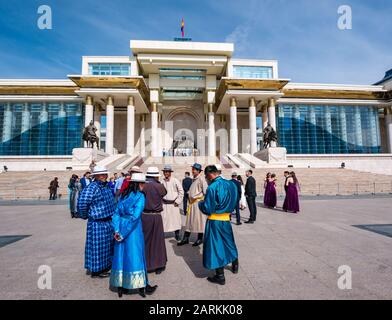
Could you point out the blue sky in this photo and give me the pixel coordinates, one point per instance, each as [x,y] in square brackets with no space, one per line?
[301,34]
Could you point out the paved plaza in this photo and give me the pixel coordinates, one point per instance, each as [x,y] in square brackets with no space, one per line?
[282,256]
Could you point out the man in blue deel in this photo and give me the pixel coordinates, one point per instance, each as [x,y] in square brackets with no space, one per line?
[219,247]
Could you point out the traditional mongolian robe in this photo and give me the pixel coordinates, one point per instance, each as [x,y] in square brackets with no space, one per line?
[74,189]
[219,247]
[96,203]
[154,236]
[195,219]
[129,268]
[171,205]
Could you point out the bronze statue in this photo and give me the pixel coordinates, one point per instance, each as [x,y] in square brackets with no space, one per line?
[90,136]
[269,136]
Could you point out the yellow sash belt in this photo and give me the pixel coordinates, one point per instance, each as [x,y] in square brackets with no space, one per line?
[219,216]
[191,202]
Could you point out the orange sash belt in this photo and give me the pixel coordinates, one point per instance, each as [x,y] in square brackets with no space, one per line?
[219,217]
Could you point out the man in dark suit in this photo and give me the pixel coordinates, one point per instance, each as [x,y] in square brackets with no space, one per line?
[186,184]
[237,207]
[85,181]
[250,193]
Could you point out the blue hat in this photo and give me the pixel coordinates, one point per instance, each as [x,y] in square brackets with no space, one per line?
[197,166]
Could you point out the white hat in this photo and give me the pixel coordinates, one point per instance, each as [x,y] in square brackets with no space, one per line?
[153,172]
[218,166]
[99,170]
[138,177]
[135,169]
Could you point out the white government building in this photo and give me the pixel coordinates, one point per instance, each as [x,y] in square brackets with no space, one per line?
[187,98]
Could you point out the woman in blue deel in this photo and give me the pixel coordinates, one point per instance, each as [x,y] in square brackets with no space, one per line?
[129,270]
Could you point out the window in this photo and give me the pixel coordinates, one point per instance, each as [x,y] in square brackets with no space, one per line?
[325,129]
[252,72]
[40,128]
[109,69]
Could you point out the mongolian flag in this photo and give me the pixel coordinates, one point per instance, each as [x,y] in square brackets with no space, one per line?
[182,27]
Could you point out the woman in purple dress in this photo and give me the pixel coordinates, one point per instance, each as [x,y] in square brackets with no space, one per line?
[291,202]
[270,197]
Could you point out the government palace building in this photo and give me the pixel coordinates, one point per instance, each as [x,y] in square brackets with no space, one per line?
[185,98]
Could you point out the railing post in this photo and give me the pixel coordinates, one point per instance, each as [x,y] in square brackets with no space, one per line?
[356,187]
[374,188]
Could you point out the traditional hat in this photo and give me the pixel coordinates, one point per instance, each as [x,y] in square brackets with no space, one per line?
[153,172]
[99,170]
[135,169]
[218,166]
[138,177]
[197,166]
[167,168]
[234,174]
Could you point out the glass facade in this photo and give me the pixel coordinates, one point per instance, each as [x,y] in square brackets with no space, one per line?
[40,128]
[109,69]
[252,72]
[324,129]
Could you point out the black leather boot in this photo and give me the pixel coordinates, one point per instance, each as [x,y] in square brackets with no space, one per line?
[199,240]
[149,290]
[142,292]
[177,235]
[235,266]
[185,239]
[219,277]
[120,292]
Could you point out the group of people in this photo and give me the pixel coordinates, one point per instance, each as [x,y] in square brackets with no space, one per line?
[126,225]
[291,187]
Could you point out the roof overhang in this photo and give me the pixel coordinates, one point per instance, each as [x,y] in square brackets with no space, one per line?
[36,87]
[244,89]
[113,85]
[182,47]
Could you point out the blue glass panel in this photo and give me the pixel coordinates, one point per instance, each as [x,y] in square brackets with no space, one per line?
[326,129]
[40,128]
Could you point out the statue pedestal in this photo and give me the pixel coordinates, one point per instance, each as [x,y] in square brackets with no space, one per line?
[82,157]
[276,155]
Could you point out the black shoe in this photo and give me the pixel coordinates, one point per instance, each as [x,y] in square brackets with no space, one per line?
[149,290]
[142,292]
[217,279]
[160,270]
[235,266]
[184,241]
[250,222]
[197,243]
[88,272]
[238,223]
[104,274]
[120,292]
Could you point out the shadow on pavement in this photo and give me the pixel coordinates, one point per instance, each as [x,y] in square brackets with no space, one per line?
[193,258]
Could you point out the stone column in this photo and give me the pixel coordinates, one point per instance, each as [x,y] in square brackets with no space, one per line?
[272,116]
[373,128]
[264,116]
[142,135]
[97,123]
[7,123]
[211,131]
[154,130]
[388,127]
[131,125]
[252,126]
[233,127]
[110,126]
[89,113]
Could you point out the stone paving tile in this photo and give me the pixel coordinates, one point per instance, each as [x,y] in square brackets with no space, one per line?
[282,256]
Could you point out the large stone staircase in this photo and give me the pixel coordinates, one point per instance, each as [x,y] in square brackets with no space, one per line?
[313,181]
